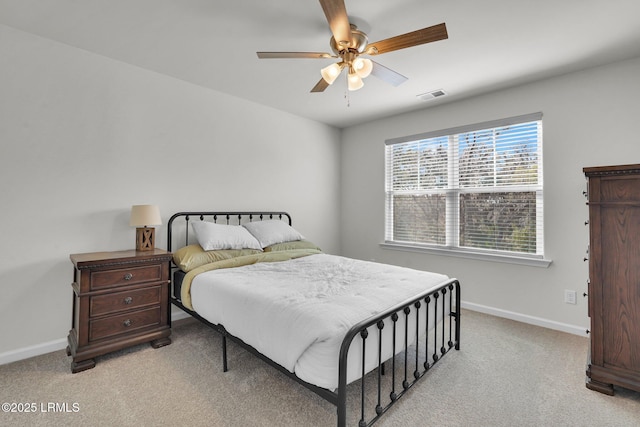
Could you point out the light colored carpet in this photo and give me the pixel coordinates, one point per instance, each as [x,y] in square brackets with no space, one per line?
[506,374]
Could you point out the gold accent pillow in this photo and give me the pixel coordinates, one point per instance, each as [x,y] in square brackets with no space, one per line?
[193,256]
[296,244]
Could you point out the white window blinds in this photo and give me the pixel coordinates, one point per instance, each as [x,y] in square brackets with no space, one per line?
[477,187]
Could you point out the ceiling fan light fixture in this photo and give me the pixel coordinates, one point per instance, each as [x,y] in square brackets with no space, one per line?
[354,82]
[348,42]
[331,73]
[363,67]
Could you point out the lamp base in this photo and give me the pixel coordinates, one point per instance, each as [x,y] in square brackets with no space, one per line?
[145,239]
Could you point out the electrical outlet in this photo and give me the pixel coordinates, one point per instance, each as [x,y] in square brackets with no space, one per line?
[570,297]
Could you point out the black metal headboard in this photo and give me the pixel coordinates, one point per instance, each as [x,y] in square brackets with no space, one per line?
[232,218]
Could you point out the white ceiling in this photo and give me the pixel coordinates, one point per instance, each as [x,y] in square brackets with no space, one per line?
[212,43]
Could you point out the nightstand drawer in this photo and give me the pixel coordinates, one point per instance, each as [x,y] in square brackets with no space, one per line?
[125,276]
[123,323]
[126,300]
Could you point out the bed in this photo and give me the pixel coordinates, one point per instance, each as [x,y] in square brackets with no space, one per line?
[331,323]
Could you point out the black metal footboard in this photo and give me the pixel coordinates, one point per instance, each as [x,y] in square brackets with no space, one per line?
[438,334]
[436,314]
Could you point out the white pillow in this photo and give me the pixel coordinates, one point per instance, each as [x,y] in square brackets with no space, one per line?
[272,231]
[212,236]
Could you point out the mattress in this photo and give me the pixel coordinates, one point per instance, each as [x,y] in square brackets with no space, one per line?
[297,312]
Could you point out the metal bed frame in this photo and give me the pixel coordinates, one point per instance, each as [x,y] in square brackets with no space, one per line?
[445,334]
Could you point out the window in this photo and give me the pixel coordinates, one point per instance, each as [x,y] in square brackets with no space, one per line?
[476,188]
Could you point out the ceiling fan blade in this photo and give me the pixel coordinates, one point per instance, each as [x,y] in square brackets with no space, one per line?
[414,38]
[320,86]
[290,55]
[387,74]
[336,13]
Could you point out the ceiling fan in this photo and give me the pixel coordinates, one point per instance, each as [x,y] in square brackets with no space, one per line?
[349,43]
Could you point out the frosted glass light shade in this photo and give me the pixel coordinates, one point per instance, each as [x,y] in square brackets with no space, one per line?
[354,82]
[363,67]
[331,73]
[144,215]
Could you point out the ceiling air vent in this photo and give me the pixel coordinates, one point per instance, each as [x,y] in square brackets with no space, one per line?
[428,96]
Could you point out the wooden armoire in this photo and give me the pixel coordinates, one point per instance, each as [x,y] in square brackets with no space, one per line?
[614,277]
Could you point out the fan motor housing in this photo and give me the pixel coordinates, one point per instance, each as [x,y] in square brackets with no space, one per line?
[358,42]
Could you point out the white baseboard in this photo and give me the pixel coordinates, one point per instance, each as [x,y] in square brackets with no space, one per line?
[524,318]
[55,345]
[32,351]
[179,315]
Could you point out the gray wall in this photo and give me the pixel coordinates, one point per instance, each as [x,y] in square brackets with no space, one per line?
[590,119]
[85,137]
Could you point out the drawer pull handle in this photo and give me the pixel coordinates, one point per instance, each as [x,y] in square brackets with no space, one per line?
[128,300]
[128,276]
[126,323]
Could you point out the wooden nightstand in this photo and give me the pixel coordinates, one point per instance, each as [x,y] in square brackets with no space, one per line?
[120,299]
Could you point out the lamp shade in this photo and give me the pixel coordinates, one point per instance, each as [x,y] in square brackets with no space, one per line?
[144,215]
[354,82]
[331,72]
[363,67]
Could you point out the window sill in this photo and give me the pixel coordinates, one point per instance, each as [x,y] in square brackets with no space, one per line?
[510,259]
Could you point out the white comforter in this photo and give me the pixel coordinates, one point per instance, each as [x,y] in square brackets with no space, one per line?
[297,312]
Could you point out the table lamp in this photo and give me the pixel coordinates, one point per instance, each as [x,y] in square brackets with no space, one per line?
[143,216]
